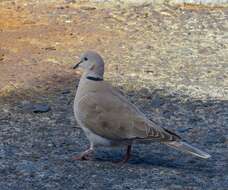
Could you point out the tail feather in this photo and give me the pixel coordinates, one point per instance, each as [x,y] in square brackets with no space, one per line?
[185,147]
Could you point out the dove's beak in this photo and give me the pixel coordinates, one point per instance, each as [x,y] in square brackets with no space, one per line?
[77,65]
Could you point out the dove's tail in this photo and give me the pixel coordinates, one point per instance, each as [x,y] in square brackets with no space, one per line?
[185,147]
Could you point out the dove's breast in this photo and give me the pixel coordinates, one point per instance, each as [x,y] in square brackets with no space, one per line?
[95,139]
[91,116]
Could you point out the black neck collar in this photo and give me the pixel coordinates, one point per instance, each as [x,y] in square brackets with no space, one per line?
[94,78]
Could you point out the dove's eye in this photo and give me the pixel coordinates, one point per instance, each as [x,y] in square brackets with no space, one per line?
[85,58]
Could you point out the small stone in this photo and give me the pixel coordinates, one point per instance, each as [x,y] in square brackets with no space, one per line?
[61,7]
[70,1]
[87,8]
[50,48]
[149,47]
[36,108]
[149,71]
[66,92]
[41,108]
[68,21]
[183,130]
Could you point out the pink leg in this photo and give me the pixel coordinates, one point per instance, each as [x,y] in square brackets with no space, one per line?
[126,156]
[85,155]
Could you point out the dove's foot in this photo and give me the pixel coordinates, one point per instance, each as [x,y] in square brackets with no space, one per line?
[126,156]
[86,155]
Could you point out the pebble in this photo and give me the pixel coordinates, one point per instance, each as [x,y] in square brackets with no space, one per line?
[35,108]
[41,108]
[66,92]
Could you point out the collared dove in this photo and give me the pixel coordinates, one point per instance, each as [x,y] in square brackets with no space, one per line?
[109,119]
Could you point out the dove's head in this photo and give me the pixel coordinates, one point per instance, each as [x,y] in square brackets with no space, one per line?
[92,63]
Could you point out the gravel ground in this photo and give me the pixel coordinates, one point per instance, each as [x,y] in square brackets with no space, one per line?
[171,61]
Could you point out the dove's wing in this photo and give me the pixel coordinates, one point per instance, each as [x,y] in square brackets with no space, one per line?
[109,114]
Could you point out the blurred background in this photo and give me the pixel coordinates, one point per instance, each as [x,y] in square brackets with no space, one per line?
[170,58]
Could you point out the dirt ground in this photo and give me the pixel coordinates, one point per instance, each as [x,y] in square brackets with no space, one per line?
[171,61]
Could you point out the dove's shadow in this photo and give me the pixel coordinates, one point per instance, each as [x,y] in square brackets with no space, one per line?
[161,160]
[158,160]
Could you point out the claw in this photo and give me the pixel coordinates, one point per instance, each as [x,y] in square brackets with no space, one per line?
[86,155]
[82,157]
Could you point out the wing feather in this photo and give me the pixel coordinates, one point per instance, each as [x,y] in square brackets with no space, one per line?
[110,115]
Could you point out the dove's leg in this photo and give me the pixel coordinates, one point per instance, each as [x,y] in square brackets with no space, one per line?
[86,155]
[126,156]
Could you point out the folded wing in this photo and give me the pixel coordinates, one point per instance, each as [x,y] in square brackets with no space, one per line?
[110,115]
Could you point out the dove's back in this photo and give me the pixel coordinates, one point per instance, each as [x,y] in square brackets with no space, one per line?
[107,113]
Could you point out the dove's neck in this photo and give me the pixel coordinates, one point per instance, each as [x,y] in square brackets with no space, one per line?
[91,75]
[88,82]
